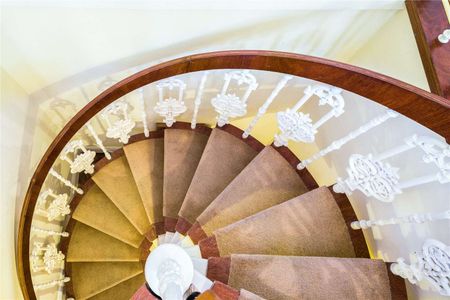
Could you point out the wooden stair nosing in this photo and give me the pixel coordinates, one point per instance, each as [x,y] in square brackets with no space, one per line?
[219,269]
[349,215]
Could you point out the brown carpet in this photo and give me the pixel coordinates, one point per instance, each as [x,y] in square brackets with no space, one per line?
[308,225]
[246,295]
[289,277]
[91,278]
[222,160]
[89,244]
[122,291]
[117,182]
[146,160]
[182,152]
[266,181]
[96,210]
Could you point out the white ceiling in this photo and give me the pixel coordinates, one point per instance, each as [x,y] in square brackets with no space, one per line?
[53,43]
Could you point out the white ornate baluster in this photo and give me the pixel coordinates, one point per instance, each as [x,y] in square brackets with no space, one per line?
[414,218]
[82,161]
[430,266]
[229,105]
[58,206]
[298,126]
[144,112]
[98,141]
[46,258]
[119,129]
[46,285]
[198,99]
[336,145]
[262,110]
[378,179]
[170,107]
[65,181]
[47,232]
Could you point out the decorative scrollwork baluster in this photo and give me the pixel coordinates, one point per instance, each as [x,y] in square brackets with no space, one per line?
[98,141]
[46,257]
[65,181]
[169,108]
[431,266]
[58,206]
[229,105]
[118,129]
[81,162]
[46,285]
[198,99]
[262,110]
[47,232]
[298,126]
[143,112]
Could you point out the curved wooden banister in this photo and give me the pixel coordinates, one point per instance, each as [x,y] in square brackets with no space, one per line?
[427,109]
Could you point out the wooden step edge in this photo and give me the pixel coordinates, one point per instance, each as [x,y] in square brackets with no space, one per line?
[397,285]
[293,160]
[219,269]
[349,215]
[237,132]
[199,128]
[224,292]
[209,248]
[183,225]
[196,233]
[170,224]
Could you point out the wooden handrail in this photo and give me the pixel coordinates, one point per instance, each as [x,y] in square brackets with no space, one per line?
[427,109]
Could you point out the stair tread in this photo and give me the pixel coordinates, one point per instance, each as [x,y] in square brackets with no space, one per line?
[146,161]
[297,277]
[88,244]
[246,295]
[310,225]
[266,181]
[98,211]
[182,152]
[117,182]
[122,291]
[88,278]
[223,159]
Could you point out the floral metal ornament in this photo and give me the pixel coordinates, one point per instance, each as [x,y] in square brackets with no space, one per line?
[46,258]
[169,108]
[58,207]
[118,129]
[229,105]
[82,162]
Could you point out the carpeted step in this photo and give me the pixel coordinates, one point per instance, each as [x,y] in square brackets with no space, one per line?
[117,182]
[266,181]
[146,161]
[246,295]
[122,291]
[182,151]
[98,211]
[296,277]
[308,225]
[88,244]
[91,278]
[223,159]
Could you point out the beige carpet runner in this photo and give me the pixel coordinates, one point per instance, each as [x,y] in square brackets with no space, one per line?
[236,202]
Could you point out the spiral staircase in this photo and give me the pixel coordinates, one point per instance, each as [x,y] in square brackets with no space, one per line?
[205,209]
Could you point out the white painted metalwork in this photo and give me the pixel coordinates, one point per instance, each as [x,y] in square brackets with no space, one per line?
[46,257]
[47,232]
[82,162]
[297,126]
[378,179]
[169,108]
[169,271]
[414,218]
[121,128]
[444,37]
[58,207]
[65,181]
[262,110]
[430,267]
[98,141]
[46,285]
[229,105]
[143,112]
[198,99]
[337,144]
